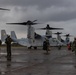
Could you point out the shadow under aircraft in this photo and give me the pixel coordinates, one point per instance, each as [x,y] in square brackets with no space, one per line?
[33,39]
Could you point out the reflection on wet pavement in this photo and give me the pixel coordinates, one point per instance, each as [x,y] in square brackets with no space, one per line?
[37,62]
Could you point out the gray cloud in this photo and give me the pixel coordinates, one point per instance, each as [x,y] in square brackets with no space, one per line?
[39,3]
[50,10]
[54,12]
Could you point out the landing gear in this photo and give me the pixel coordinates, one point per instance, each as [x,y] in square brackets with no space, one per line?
[35,47]
[59,47]
[30,47]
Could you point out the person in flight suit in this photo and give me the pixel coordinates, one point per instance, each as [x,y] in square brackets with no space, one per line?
[0,44]
[8,41]
[46,45]
[74,46]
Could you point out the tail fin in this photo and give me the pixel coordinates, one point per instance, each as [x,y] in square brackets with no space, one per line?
[13,35]
[3,35]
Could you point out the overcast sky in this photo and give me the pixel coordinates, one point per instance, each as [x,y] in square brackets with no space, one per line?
[56,13]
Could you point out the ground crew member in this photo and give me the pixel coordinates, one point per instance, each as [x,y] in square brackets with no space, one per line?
[46,45]
[0,44]
[59,46]
[69,46]
[74,46]
[8,41]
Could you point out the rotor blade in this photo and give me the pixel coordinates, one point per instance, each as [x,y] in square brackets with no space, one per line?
[55,28]
[68,35]
[42,28]
[50,28]
[34,21]
[31,23]
[24,23]
[4,9]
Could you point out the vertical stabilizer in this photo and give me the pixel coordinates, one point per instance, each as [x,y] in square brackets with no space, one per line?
[13,35]
[3,35]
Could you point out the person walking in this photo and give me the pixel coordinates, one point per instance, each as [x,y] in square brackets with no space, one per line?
[0,44]
[69,46]
[46,45]
[8,41]
[74,46]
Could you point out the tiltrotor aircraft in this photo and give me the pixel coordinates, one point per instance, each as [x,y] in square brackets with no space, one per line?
[33,39]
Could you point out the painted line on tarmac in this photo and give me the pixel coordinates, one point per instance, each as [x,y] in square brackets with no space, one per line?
[13,53]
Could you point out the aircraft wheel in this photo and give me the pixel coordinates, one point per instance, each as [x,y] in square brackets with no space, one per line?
[35,47]
[30,47]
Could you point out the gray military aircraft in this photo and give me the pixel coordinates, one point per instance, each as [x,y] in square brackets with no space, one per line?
[67,38]
[58,35]
[48,32]
[33,39]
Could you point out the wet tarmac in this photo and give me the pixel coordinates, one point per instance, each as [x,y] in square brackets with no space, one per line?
[37,62]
